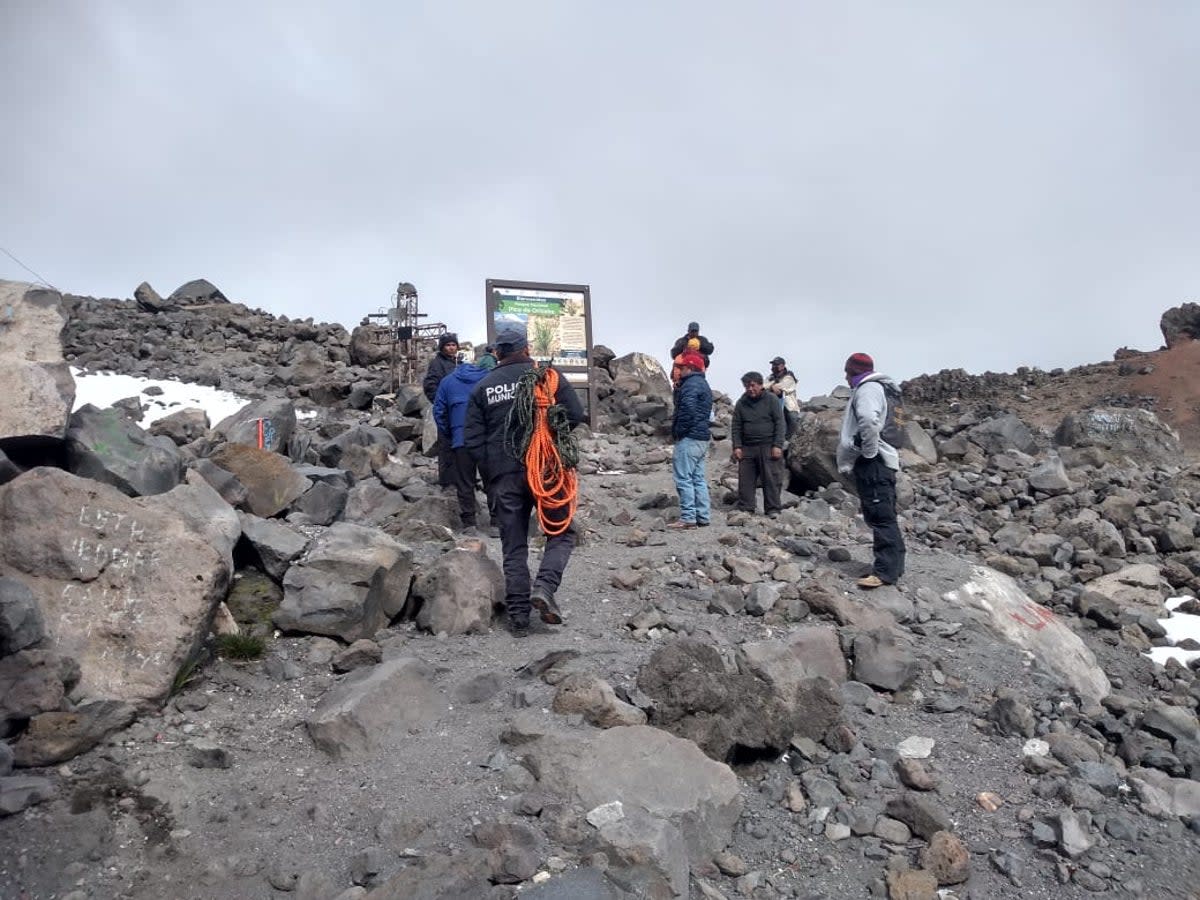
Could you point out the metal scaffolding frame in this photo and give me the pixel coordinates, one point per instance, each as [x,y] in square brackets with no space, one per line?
[400,328]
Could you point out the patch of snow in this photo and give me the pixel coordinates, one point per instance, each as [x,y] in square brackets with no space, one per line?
[1178,626]
[102,389]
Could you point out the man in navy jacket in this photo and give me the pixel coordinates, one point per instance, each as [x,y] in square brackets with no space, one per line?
[488,437]
[689,427]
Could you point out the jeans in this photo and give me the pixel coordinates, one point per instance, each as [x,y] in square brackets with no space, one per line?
[756,464]
[876,485]
[688,468]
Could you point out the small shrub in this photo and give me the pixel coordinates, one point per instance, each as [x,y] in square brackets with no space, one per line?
[240,646]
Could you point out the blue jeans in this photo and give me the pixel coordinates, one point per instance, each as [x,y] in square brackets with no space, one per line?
[688,467]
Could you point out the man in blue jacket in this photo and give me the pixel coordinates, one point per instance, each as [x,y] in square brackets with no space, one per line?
[450,413]
[689,427]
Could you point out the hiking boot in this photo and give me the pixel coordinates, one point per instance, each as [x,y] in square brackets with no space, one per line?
[681,525]
[546,607]
[870,582]
[702,523]
[518,626]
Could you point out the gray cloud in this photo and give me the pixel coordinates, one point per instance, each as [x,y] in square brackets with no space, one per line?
[974,185]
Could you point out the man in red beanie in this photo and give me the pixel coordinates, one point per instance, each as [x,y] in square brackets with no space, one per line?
[690,428]
[863,451]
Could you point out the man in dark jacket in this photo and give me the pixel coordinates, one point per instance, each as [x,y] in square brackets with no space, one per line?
[442,364]
[689,427]
[487,437]
[705,346]
[450,414]
[758,438]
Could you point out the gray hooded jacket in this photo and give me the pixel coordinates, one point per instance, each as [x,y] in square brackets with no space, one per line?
[865,414]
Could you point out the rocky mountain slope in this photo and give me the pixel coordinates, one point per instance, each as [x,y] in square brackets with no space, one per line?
[232,672]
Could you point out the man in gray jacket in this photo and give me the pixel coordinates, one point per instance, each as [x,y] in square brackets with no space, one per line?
[874,463]
[757,434]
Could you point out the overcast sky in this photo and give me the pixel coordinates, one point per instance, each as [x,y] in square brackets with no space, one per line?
[984,185]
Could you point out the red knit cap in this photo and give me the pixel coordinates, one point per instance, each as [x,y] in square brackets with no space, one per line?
[692,360]
[859,364]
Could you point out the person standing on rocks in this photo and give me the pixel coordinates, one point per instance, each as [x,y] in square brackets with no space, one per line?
[490,435]
[450,414]
[442,364]
[705,346]
[782,384]
[758,440]
[690,428]
[874,462]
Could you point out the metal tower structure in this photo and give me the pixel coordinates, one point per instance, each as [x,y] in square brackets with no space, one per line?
[400,327]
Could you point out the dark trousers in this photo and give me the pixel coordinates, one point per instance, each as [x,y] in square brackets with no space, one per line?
[463,477]
[445,458]
[876,485]
[755,464]
[515,503]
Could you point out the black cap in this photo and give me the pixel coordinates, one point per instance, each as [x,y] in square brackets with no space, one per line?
[779,361]
[511,339]
[447,337]
[693,326]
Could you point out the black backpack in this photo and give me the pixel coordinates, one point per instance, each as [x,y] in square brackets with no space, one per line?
[892,432]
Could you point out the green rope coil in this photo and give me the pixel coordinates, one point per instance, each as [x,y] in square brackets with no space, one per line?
[519,425]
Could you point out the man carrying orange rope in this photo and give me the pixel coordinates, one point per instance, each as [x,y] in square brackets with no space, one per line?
[515,450]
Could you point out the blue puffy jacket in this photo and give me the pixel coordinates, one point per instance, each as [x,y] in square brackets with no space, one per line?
[450,401]
[693,408]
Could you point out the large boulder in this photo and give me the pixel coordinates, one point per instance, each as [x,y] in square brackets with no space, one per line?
[357,448]
[32,682]
[1137,433]
[1003,433]
[804,653]
[644,769]
[349,584]
[812,450]
[35,382]
[1180,324]
[374,709]
[370,345]
[103,444]
[198,505]
[1007,611]
[272,485]
[1140,588]
[127,587]
[196,292]
[21,621]
[640,374]
[458,591]
[276,418]
[148,298]
[56,736]
[733,713]
[182,427]
[274,543]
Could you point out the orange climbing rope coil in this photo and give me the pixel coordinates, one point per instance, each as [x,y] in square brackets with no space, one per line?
[550,454]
